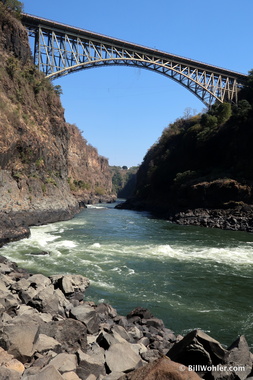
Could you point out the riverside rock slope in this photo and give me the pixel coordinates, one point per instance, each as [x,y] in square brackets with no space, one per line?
[47,168]
[49,331]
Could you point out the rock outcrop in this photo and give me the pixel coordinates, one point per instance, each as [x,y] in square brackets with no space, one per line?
[235,217]
[49,331]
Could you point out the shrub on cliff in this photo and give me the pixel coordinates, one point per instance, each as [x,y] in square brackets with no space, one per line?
[13,5]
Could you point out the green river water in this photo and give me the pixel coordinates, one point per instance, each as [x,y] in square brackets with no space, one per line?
[190,277]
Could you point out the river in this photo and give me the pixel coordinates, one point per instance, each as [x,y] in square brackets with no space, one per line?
[190,277]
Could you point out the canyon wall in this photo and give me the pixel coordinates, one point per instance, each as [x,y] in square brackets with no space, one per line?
[47,168]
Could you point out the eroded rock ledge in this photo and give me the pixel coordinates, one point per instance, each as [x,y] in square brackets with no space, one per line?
[49,331]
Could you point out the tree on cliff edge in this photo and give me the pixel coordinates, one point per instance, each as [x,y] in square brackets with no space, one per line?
[14,5]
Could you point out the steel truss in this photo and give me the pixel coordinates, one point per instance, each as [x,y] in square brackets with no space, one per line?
[60,49]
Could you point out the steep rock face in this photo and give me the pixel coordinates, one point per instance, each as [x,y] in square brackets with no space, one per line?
[89,174]
[13,38]
[47,168]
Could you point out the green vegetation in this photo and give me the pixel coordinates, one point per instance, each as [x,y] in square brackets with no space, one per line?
[39,163]
[12,65]
[99,190]
[28,73]
[44,188]
[204,160]
[58,89]
[51,180]
[123,180]
[17,175]
[76,185]
[13,5]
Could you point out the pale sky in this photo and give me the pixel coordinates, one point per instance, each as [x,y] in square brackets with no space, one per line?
[122,111]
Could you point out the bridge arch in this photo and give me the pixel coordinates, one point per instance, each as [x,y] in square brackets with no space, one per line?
[198,89]
[61,49]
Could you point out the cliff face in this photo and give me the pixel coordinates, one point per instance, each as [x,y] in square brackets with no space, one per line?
[202,163]
[47,168]
[89,175]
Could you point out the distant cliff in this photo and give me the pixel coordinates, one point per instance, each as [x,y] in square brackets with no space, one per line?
[201,169]
[124,180]
[47,167]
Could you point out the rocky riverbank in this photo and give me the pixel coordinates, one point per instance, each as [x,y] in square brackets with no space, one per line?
[15,223]
[237,217]
[49,331]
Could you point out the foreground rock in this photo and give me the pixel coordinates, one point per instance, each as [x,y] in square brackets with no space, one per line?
[48,331]
[204,354]
[162,369]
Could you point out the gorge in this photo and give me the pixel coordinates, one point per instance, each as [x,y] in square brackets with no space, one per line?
[191,278]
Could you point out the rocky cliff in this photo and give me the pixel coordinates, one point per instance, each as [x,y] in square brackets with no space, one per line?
[200,170]
[47,168]
[89,175]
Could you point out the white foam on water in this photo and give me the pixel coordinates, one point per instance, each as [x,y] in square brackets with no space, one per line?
[84,261]
[43,238]
[230,256]
[117,269]
[102,284]
[123,270]
[48,238]
[242,255]
[66,244]
[96,207]
[97,267]
[95,245]
[206,311]
[164,250]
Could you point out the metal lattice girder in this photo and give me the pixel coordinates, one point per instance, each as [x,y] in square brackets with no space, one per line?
[60,49]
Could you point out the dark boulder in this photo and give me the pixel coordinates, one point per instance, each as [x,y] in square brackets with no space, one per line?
[239,357]
[197,348]
[88,316]
[140,312]
[88,365]
[70,333]
[40,253]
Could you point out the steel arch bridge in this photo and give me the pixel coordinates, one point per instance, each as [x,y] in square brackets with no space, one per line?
[60,49]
